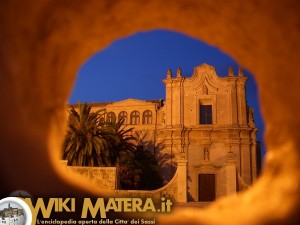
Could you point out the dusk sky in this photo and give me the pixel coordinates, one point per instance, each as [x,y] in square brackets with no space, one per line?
[134,67]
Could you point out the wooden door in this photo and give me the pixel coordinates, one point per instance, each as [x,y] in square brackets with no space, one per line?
[206,187]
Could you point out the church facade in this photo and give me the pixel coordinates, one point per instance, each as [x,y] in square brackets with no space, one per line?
[203,129]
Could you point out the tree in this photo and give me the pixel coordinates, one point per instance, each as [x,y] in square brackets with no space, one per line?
[127,173]
[122,146]
[139,171]
[92,141]
[84,144]
[146,163]
[119,139]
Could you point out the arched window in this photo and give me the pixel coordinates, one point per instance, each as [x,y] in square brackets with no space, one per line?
[111,117]
[123,115]
[147,117]
[102,120]
[135,118]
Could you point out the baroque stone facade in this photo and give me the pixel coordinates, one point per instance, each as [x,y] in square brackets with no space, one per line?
[204,128]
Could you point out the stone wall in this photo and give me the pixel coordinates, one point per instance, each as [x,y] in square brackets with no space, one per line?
[103,178]
[170,190]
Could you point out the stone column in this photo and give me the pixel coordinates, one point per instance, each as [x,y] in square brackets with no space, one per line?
[182,180]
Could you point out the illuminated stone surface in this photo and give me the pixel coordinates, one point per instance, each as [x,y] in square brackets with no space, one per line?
[211,151]
[44,43]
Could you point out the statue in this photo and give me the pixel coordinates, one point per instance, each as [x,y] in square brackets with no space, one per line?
[230,71]
[169,73]
[241,72]
[250,117]
[179,72]
[206,154]
[205,90]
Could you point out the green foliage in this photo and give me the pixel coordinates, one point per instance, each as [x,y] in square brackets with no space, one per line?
[128,174]
[91,141]
[119,139]
[139,171]
[150,178]
[84,144]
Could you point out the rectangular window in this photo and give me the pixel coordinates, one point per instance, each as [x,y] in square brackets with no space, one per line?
[205,114]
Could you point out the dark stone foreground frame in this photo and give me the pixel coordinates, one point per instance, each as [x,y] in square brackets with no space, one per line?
[43,43]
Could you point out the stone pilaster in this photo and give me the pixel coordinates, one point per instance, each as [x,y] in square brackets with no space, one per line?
[182,180]
[177,104]
[253,149]
[168,102]
[231,174]
[245,163]
[233,100]
[241,100]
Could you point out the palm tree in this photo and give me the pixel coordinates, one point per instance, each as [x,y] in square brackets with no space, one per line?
[84,144]
[119,139]
[122,146]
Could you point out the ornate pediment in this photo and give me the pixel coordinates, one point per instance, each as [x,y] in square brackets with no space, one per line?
[205,80]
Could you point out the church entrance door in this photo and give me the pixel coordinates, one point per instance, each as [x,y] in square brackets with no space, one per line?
[206,187]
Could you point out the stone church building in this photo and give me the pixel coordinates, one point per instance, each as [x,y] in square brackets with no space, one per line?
[203,129]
